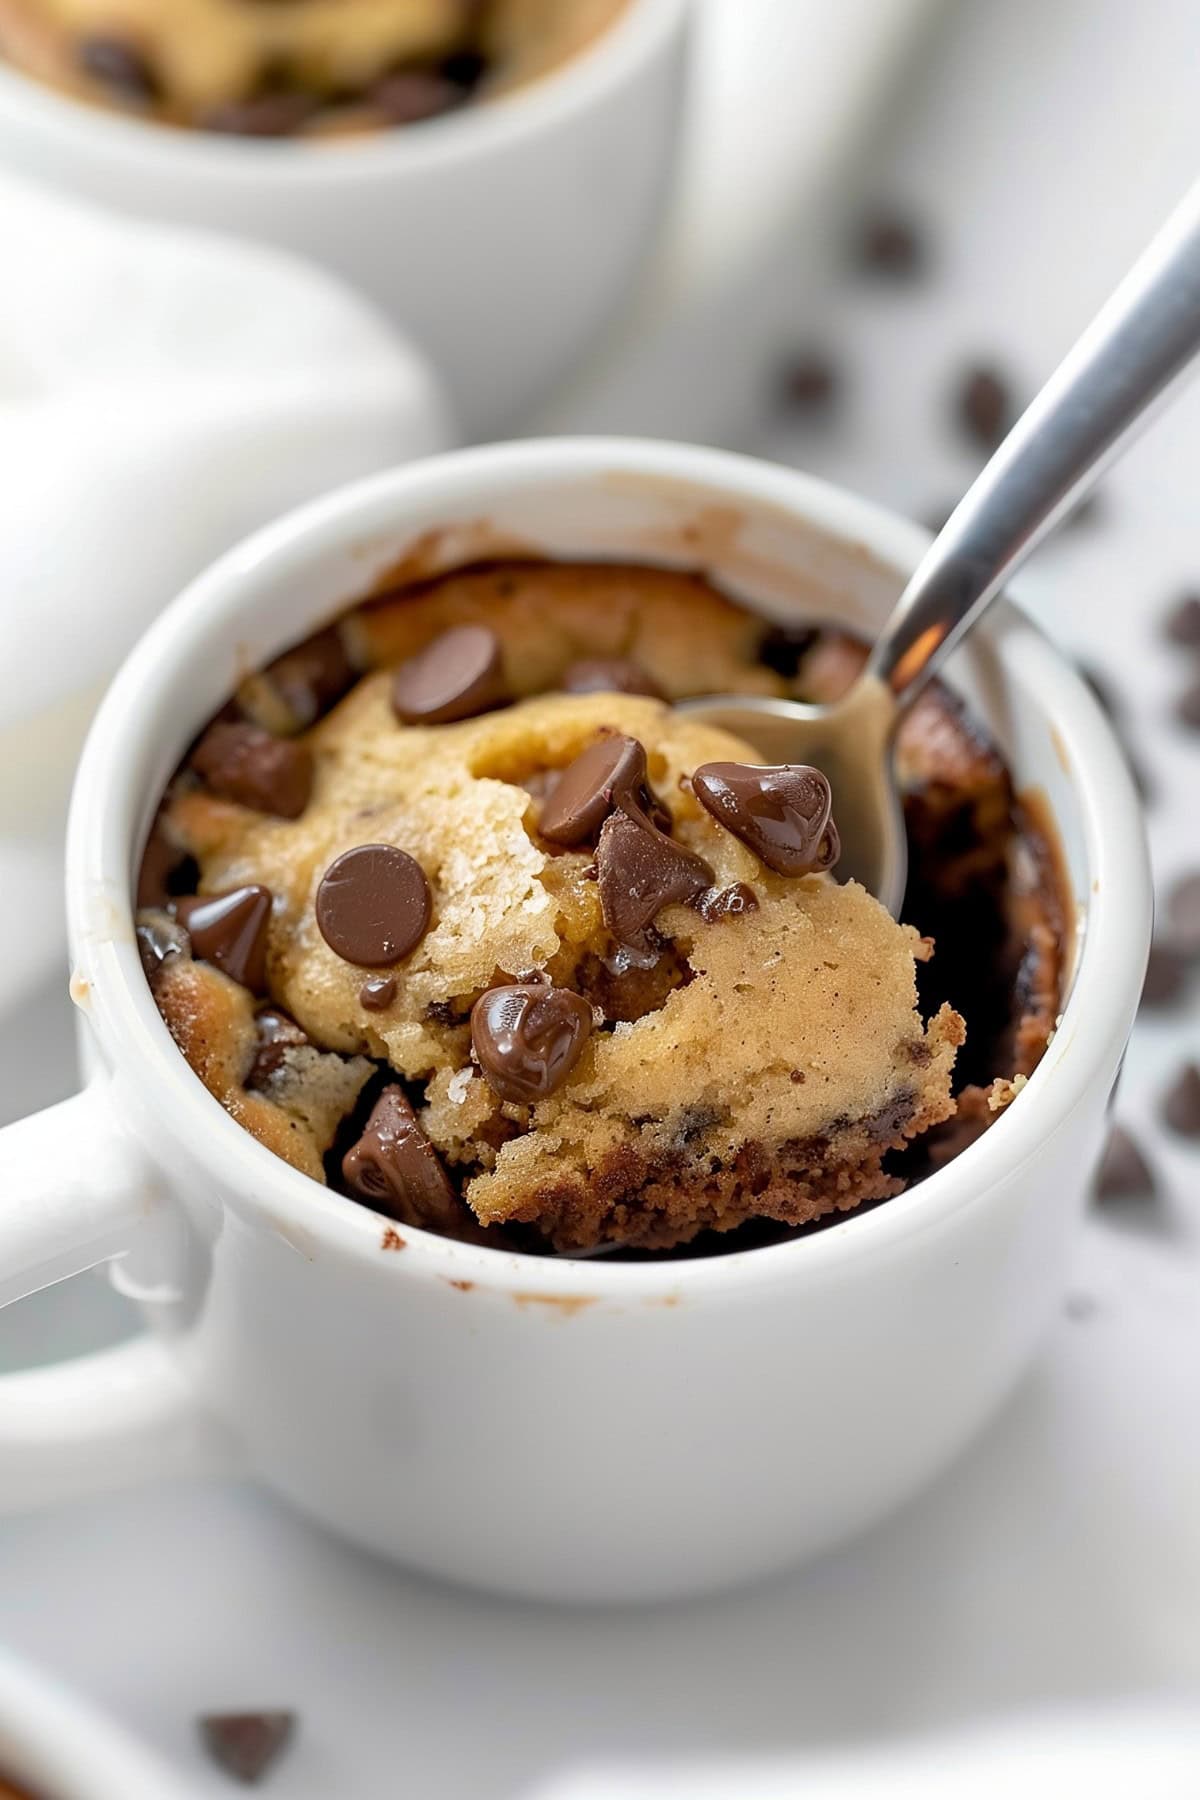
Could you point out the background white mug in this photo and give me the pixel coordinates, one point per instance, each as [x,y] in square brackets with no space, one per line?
[501,236]
[564,1429]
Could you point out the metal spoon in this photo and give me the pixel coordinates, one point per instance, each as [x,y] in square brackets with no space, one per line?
[1132,354]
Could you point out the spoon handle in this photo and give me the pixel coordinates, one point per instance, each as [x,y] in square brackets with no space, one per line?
[1140,342]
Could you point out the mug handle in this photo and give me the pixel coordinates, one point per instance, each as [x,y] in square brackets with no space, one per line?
[75,1191]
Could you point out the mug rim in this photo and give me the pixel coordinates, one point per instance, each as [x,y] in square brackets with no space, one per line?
[587,78]
[1097,1011]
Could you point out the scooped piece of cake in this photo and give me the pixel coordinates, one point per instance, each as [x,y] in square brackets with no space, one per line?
[613,992]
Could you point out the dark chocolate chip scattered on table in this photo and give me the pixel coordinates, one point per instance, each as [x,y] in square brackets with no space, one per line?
[1124,1173]
[1181,1103]
[984,406]
[889,244]
[807,382]
[1183,914]
[1166,976]
[1182,624]
[245,1745]
[1187,707]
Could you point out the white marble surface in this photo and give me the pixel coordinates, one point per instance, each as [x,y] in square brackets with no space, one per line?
[1060,1561]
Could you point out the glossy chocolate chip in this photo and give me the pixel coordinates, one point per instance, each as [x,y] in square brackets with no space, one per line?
[277,1033]
[245,1745]
[985,407]
[377,994]
[1181,1107]
[639,871]
[609,675]
[230,930]
[610,771]
[1182,624]
[246,764]
[780,811]
[726,903]
[527,1038]
[455,677]
[397,1171]
[119,65]
[159,938]
[373,905]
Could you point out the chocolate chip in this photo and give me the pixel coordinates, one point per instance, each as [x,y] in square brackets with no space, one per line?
[466,68]
[1124,1172]
[1182,625]
[1183,914]
[269,115]
[160,860]
[985,408]
[781,811]
[308,679]
[455,677]
[527,1038]
[411,95]
[277,1033]
[639,870]
[610,771]
[889,244]
[1187,707]
[609,675]
[1181,1107]
[159,938]
[1166,976]
[784,647]
[230,930]
[246,764]
[398,1172]
[807,382]
[726,903]
[120,65]
[245,1745]
[377,994]
[373,905]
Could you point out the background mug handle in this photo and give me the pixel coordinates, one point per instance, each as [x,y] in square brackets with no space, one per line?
[75,1191]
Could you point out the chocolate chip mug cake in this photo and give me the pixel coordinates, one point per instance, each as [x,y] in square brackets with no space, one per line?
[263,68]
[453,910]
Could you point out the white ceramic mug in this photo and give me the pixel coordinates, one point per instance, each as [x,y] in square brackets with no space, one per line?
[567,1429]
[62,1749]
[502,236]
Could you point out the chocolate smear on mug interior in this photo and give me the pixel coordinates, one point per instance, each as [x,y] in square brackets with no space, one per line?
[609,675]
[780,811]
[639,870]
[373,905]
[377,994]
[277,1033]
[527,1038]
[609,773]
[230,930]
[455,677]
[397,1171]
[245,1745]
[244,763]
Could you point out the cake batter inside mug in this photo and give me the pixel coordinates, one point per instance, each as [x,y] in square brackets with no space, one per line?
[382,1297]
